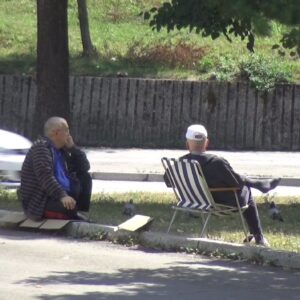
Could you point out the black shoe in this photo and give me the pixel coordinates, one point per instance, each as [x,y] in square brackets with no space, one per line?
[267,185]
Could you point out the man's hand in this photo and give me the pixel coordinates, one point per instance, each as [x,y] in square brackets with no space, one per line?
[68,202]
[69,142]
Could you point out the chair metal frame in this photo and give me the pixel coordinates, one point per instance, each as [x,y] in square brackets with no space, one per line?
[194,195]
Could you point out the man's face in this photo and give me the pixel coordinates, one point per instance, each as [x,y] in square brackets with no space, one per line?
[61,135]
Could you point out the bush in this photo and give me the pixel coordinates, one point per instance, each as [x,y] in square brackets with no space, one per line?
[177,53]
[264,73]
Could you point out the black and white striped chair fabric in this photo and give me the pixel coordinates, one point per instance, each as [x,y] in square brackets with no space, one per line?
[188,183]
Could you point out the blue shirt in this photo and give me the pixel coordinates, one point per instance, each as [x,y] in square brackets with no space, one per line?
[60,172]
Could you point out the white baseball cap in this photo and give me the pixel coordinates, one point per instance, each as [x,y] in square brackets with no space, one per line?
[196,132]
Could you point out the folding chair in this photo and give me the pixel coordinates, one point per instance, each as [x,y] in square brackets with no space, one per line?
[194,195]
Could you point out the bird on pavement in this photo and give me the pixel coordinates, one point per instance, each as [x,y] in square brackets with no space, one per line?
[274,212]
[129,208]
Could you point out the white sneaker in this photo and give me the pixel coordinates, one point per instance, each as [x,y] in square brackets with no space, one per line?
[261,241]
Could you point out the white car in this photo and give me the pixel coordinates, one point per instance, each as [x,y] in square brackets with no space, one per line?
[13,148]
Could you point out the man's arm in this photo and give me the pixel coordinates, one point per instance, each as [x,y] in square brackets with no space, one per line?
[75,157]
[229,176]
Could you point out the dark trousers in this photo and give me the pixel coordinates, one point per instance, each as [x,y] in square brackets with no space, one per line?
[81,190]
[251,213]
[245,198]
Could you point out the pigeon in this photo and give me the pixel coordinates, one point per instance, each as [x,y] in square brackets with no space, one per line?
[274,212]
[129,209]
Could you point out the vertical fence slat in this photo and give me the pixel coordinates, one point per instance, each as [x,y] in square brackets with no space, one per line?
[121,112]
[276,107]
[8,92]
[112,110]
[211,111]
[230,129]
[187,104]
[24,98]
[105,98]
[147,112]
[31,105]
[287,114]
[131,104]
[296,119]
[169,88]
[222,115]
[250,113]
[259,104]
[241,117]
[84,111]
[267,120]
[77,105]
[195,97]
[176,119]
[203,110]
[93,113]
[159,106]
[139,138]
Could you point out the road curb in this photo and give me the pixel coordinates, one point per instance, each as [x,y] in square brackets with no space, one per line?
[289,260]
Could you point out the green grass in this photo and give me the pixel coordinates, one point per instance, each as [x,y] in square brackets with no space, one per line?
[127,44]
[107,209]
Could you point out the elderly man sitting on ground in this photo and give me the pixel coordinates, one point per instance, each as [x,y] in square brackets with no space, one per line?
[55,182]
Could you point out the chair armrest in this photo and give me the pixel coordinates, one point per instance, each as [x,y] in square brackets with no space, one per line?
[224,189]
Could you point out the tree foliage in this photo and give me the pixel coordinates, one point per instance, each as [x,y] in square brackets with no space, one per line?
[240,18]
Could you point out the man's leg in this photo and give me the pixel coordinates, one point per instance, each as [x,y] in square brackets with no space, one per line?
[263,185]
[55,210]
[84,198]
[253,221]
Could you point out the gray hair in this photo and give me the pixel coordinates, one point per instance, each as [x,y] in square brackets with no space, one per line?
[52,124]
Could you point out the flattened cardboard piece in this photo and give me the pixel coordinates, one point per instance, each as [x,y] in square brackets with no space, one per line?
[13,217]
[54,224]
[31,224]
[137,222]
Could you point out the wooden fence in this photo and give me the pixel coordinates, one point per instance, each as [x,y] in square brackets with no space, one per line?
[124,112]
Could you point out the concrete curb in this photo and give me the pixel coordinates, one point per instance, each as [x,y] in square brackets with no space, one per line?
[289,260]
[149,177]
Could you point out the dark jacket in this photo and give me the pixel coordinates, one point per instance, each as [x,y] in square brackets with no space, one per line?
[219,173]
[38,182]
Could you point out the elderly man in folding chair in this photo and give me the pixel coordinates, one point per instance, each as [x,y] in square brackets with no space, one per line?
[218,173]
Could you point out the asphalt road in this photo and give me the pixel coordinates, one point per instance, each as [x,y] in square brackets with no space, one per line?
[36,266]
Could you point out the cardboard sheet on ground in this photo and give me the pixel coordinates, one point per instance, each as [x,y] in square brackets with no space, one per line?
[52,224]
[49,224]
[137,222]
[13,217]
[32,224]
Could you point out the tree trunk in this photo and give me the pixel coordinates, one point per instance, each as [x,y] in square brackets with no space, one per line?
[52,63]
[88,49]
